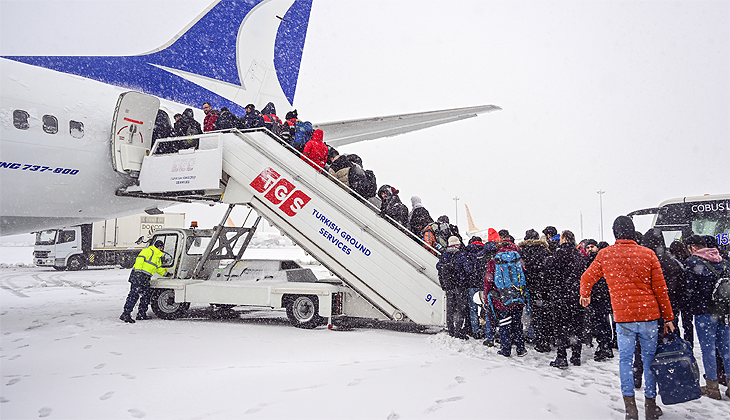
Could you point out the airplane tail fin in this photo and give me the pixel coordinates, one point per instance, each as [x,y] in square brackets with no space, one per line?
[472,227]
[234,53]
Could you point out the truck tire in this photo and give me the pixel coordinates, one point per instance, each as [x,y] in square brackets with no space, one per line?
[303,312]
[76,263]
[59,268]
[127,261]
[164,305]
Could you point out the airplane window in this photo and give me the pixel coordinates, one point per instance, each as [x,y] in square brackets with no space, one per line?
[76,129]
[20,119]
[50,124]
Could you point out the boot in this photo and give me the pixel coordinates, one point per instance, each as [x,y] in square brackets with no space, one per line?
[127,318]
[632,413]
[142,316]
[651,410]
[712,390]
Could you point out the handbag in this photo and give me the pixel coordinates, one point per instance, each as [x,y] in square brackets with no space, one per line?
[675,371]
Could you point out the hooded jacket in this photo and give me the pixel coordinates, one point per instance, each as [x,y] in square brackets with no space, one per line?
[635,282]
[701,280]
[316,150]
[419,217]
[392,206]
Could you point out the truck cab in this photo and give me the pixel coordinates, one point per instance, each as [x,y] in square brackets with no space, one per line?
[208,268]
[59,248]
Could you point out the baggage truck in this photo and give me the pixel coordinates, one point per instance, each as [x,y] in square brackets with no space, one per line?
[109,242]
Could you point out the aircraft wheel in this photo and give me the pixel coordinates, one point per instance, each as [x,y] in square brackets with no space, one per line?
[303,312]
[164,305]
[76,263]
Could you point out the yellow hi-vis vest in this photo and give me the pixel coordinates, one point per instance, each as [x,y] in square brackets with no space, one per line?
[148,261]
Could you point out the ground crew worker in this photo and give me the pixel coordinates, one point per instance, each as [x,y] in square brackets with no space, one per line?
[147,263]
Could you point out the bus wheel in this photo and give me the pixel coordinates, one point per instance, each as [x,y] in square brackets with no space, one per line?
[303,312]
[76,263]
[164,305]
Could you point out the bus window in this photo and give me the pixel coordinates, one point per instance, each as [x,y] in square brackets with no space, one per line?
[705,215]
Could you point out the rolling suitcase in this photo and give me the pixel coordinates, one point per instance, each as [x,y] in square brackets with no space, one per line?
[675,371]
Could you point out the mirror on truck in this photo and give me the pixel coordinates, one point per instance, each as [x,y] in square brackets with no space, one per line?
[166,259]
[139,241]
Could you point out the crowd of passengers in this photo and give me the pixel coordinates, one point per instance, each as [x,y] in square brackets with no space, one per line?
[555,313]
[555,319]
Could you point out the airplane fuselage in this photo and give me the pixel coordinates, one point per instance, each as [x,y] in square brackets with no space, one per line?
[55,154]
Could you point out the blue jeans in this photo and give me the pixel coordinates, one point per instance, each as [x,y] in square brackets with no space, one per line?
[712,334]
[474,316]
[626,334]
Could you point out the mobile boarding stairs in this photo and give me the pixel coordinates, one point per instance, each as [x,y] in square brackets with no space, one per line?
[379,261]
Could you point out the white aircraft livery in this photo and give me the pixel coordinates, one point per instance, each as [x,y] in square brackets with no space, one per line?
[58,112]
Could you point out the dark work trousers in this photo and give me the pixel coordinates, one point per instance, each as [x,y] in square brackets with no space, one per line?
[139,289]
[510,330]
[599,325]
[542,323]
[569,321]
[456,310]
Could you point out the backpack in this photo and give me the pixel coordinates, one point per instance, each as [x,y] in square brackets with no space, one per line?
[509,278]
[371,186]
[302,134]
[273,124]
[357,179]
[442,231]
[720,299]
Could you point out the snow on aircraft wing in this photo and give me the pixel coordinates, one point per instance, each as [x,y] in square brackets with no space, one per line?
[340,133]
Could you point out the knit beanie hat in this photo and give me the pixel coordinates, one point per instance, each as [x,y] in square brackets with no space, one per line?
[531,234]
[623,228]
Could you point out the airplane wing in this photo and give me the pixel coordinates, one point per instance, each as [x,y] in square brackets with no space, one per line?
[340,133]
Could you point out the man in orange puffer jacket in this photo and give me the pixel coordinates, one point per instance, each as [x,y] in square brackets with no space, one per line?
[639,299]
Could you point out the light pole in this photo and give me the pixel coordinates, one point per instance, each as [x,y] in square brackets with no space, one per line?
[600,201]
[456,205]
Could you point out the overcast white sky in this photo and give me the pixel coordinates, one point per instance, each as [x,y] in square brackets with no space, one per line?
[629,97]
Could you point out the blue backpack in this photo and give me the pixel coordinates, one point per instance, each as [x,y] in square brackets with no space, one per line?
[302,134]
[509,278]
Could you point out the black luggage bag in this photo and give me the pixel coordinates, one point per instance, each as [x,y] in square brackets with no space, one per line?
[675,371]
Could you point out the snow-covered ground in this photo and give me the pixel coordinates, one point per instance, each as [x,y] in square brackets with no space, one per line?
[64,354]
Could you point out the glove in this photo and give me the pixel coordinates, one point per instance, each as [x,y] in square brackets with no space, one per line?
[168,274]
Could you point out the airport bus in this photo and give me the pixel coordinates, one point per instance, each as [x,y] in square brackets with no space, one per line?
[703,215]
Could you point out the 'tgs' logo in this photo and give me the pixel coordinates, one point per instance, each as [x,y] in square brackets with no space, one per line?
[281,190]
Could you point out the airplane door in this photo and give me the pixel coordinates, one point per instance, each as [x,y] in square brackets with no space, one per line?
[134,120]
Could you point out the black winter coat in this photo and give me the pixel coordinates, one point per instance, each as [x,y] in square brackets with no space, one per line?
[420,218]
[600,298]
[226,120]
[534,252]
[563,269]
[472,264]
[392,206]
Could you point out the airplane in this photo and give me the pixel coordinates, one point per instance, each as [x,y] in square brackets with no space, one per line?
[472,230]
[56,164]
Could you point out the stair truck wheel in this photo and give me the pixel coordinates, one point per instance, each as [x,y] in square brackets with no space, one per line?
[127,260]
[303,312]
[164,305]
[76,263]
